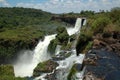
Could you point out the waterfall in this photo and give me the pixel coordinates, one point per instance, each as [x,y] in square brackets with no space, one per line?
[66,65]
[84,23]
[26,62]
[77,27]
[57,50]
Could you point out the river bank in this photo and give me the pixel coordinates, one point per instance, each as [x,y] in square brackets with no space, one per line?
[103,58]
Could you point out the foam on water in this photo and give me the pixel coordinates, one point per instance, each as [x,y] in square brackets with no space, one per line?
[23,69]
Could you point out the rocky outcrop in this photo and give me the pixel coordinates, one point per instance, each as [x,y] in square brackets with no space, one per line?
[103,58]
[90,61]
[100,62]
[70,20]
[44,67]
[90,76]
[110,43]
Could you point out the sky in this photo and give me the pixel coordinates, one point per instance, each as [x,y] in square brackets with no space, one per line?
[62,6]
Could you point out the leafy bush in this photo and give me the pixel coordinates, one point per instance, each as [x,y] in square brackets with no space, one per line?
[82,43]
[52,46]
[62,35]
[115,14]
[99,24]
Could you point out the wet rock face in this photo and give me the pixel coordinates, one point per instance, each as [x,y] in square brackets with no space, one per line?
[70,20]
[110,43]
[115,75]
[104,58]
[52,76]
[44,67]
[90,76]
[106,62]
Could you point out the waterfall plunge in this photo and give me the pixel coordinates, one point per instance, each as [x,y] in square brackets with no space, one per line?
[77,27]
[66,65]
[26,62]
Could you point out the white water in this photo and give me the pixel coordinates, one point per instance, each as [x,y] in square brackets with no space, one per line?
[67,64]
[77,27]
[57,51]
[26,62]
[80,75]
[84,23]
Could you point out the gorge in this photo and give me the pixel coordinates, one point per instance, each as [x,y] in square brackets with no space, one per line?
[38,45]
[26,62]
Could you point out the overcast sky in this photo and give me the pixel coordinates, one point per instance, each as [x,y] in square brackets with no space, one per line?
[62,6]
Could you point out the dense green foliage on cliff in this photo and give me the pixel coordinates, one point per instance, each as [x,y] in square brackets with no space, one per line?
[21,28]
[20,23]
[62,38]
[103,23]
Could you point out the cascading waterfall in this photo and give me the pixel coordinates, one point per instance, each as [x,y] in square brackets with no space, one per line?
[57,51]
[84,23]
[26,63]
[77,27]
[66,64]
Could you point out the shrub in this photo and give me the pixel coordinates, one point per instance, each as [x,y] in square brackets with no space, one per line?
[99,24]
[52,46]
[62,35]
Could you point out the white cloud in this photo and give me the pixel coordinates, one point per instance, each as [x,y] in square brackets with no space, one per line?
[4,3]
[60,6]
[1,0]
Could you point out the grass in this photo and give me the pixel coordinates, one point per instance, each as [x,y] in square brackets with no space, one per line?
[72,72]
[7,73]
[21,34]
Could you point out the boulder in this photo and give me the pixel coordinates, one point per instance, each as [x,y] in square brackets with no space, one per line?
[45,67]
[90,76]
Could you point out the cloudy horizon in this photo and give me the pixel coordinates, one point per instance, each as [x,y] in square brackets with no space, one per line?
[63,6]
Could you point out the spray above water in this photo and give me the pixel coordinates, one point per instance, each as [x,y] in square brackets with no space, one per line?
[66,64]
[26,63]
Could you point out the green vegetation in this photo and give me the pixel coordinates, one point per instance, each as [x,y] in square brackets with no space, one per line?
[21,28]
[62,36]
[72,72]
[99,24]
[25,23]
[7,73]
[46,66]
[61,39]
[52,46]
[103,23]
[82,42]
